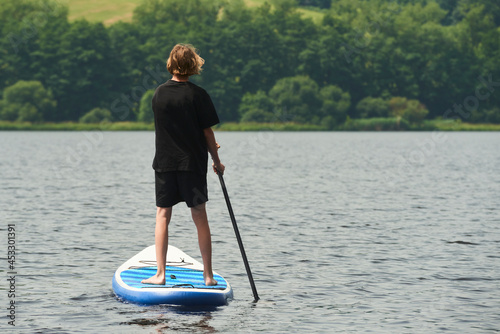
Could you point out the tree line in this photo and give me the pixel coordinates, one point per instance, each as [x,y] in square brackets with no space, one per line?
[412,59]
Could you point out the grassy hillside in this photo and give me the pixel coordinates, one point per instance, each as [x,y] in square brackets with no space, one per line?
[111,11]
[106,11]
[315,15]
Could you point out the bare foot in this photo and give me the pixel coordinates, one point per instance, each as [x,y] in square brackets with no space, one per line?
[156,279]
[210,281]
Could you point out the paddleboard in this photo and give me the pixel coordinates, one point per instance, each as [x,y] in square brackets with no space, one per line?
[184,283]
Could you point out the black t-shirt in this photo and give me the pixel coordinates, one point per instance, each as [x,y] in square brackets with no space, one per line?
[182,110]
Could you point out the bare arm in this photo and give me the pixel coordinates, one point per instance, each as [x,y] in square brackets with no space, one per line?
[213,147]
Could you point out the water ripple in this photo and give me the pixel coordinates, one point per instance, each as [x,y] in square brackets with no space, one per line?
[339,234]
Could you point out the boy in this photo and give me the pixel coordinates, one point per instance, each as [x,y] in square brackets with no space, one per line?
[184,115]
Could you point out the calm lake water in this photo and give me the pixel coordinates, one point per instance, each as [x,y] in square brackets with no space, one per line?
[345,232]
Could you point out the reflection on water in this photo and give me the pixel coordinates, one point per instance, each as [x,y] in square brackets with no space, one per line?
[162,323]
[354,232]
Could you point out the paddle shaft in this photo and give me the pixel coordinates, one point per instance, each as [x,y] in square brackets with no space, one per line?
[238,237]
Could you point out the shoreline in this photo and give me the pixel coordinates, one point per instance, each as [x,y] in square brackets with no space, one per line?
[358,125]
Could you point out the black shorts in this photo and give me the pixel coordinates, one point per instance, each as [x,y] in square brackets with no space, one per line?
[174,187]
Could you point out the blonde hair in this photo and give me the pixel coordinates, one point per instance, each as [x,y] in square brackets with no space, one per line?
[184,60]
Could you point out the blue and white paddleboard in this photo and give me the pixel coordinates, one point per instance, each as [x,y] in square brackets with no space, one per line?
[184,283]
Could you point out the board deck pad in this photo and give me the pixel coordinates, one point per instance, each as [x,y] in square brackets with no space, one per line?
[184,283]
[175,277]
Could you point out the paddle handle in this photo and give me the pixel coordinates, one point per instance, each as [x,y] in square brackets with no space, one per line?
[238,237]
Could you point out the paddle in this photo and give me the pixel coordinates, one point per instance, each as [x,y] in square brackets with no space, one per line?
[238,237]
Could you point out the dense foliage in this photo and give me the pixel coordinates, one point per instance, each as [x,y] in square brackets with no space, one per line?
[409,59]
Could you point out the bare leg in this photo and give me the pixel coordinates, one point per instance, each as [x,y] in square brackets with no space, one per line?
[200,219]
[163,216]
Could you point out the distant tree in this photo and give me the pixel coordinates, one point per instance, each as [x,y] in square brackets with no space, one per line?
[285,6]
[126,39]
[26,101]
[397,106]
[489,8]
[411,110]
[485,116]
[493,115]
[335,102]
[479,39]
[316,3]
[23,24]
[370,107]
[296,99]
[97,115]
[253,48]
[415,112]
[89,72]
[145,110]
[258,101]
[451,6]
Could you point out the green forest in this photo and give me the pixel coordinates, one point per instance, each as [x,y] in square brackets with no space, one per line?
[397,64]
